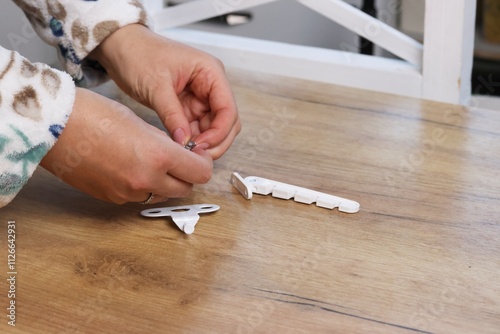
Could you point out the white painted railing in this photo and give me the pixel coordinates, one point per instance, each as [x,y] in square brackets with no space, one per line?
[438,70]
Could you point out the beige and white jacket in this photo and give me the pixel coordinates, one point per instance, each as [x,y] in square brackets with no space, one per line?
[36,100]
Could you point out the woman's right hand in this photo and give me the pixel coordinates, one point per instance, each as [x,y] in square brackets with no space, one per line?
[108,152]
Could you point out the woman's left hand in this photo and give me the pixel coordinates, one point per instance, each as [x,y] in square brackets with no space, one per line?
[186,87]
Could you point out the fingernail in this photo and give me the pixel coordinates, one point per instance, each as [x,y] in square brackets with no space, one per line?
[179,136]
[203,146]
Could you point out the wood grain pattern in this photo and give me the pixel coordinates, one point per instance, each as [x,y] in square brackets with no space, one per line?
[422,255]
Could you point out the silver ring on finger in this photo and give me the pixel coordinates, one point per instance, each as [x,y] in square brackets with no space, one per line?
[149,200]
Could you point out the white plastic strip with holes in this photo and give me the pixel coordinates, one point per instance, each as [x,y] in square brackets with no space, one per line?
[253,184]
[185,217]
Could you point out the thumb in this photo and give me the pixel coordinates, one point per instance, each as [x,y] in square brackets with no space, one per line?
[169,109]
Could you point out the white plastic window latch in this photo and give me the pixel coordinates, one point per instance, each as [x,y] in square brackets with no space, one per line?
[185,217]
[253,184]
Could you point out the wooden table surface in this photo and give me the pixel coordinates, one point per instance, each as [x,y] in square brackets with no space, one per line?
[421,256]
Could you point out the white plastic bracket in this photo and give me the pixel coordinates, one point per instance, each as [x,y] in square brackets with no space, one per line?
[253,184]
[185,217]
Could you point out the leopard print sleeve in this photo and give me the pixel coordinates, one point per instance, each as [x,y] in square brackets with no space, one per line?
[35,103]
[76,27]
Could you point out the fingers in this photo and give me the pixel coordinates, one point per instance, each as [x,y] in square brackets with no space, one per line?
[225,122]
[191,166]
[221,145]
[168,107]
[166,187]
[151,198]
[217,151]
[159,199]
[175,177]
[163,188]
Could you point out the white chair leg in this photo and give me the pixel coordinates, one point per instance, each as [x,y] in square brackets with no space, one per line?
[441,72]
[448,50]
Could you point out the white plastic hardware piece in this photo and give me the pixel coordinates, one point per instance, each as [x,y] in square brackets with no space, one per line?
[239,183]
[185,217]
[253,184]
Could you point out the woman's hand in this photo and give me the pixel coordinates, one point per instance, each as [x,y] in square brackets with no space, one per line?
[110,153]
[187,88]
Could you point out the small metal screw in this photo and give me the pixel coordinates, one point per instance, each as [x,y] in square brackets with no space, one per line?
[190,145]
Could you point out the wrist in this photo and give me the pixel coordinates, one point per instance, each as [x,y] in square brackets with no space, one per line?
[117,45]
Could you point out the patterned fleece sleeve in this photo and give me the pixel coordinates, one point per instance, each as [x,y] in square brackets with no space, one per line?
[76,27]
[35,103]
[35,100]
